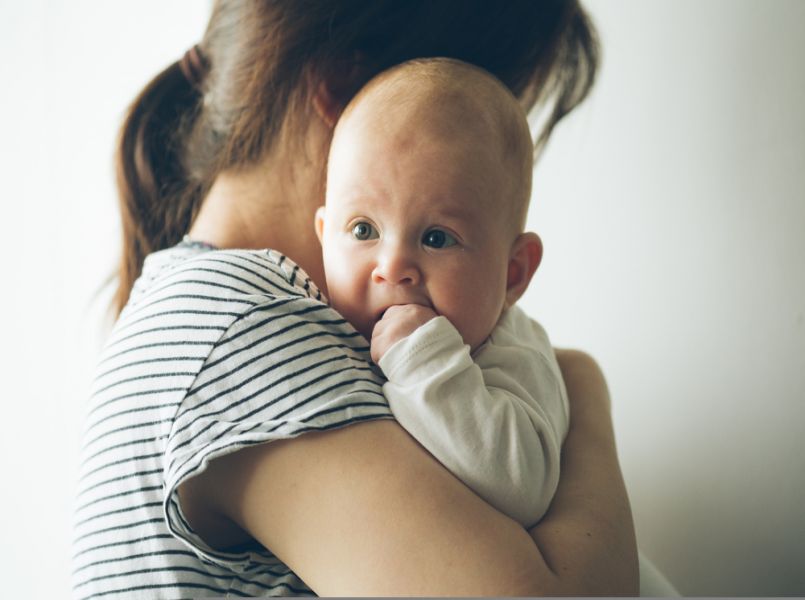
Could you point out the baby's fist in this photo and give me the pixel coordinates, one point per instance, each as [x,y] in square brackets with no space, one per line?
[399,321]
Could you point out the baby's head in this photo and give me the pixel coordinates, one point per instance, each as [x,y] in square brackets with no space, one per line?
[428,183]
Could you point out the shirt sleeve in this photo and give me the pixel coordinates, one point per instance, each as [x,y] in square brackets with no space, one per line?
[497,422]
[286,367]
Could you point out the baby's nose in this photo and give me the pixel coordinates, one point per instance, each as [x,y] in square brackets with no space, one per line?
[396,267]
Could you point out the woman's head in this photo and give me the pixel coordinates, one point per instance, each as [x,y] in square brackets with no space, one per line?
[265,61]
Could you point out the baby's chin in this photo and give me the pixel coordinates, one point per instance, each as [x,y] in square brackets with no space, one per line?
[354,317]
[366,332]
[365,328]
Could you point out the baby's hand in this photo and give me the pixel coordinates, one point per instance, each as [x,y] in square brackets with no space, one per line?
[399,321]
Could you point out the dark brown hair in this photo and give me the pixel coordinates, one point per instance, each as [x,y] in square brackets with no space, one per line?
[265,57]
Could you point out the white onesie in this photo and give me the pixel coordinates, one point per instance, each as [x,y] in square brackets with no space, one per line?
[495,419]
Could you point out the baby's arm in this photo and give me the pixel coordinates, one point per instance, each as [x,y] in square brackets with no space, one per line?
[497,422]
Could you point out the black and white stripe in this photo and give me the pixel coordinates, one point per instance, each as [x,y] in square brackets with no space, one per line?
[216,351]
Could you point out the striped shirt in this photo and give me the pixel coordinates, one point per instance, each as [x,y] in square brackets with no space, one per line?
[217,350]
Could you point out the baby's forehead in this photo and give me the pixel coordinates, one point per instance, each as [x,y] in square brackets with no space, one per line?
[459,105]
[454,100]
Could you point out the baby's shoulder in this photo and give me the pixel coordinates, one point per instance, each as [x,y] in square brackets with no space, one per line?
[516,328]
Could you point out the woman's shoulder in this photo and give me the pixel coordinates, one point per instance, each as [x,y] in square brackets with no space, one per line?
[234,275]
[190,295]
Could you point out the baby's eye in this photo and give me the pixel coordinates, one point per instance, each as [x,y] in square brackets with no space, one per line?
[437,238]
[363,231]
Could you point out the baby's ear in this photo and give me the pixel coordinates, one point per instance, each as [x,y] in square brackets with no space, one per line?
[318,222]
[526,254]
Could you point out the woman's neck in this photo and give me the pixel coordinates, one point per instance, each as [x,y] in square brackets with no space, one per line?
[266,206]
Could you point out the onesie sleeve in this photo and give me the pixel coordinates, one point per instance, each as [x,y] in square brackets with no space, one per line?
[496,420]
[286,367]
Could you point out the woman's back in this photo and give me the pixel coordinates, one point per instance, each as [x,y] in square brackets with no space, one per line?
[211,355]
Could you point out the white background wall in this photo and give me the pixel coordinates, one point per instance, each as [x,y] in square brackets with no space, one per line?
[672,207]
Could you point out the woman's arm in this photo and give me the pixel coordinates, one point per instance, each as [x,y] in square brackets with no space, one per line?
[588,536]
[366,511]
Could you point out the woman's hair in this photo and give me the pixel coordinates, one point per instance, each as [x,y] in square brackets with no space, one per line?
[263,60]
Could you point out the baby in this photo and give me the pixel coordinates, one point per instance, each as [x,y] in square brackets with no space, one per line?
[428,185]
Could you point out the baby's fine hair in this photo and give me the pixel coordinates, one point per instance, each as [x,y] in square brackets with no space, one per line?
[453,97]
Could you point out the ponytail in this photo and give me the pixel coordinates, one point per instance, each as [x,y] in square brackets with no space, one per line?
[573,70]
[157,199]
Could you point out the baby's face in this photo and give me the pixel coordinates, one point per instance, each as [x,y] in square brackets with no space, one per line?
[414,219]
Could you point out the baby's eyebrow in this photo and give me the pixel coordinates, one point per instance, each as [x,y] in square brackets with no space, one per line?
[454,213]
[449,211]
[358,199]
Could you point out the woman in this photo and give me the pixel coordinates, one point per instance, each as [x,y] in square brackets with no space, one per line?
[217,352]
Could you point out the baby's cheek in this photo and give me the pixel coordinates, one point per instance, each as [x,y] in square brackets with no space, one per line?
[470,293]
[477,316]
